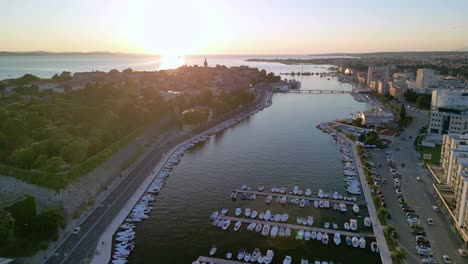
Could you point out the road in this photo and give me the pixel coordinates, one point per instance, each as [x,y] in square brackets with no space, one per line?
[418,194]
[81,248]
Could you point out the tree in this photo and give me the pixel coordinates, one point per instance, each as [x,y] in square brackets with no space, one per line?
[399,254]
[362,137]
[357,121]
[424,101]
[54,164]
[75,151]
[410,95]
[23,157]
[6,226]
[402,113]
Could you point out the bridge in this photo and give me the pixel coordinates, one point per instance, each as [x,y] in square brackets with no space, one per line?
[317,91]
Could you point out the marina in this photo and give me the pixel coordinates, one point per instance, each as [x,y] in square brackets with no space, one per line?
[203,259]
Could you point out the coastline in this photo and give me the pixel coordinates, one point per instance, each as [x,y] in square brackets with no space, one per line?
[103,251]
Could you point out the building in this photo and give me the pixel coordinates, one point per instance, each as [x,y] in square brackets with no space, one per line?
[397,91]
[383,87]
[375,73]
[454,161]
[444,97]
[449,119]
[425,78]
[375,119]
[387,134]
[362,78]
[205,63]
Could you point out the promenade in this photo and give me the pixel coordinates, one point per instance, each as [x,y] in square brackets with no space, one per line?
[385,254]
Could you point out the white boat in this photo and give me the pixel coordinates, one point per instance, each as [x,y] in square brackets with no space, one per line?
[282,190]
[304,261]
[349,241]
[295,190]
[335,195]
[274,231]
[326,204]
[281,232]
[283,200]
[335,226]
[287,232]
[287,260]
[214,215]
[226,224]
[244,186]
[367,221]
[374,247]
[237,225]
[327,225]
[308,192]
[224,211]
[343,207]
[238,211]
[313,235]
[213,250]
[321,204]
[261,215]
[299,220]
[261,259]
[310,220]
[266,230]
[316,203]
[241,254]
[127,226]
[337,239]
[255,255]
[300,235]
[320,193]
[251,226]
[362,242]
[220,223]
[229,255]
[355,242]
[307,235]
[261,188]
[346,226]
[356,208]
[325,238]
[268,199]
[277,217]
[284,217]
[269,256]
[267,215]
[353,224]
[302,203]
[247,212]
[254,214]
[258,228]
[247,257]
[304,221]
[319,236]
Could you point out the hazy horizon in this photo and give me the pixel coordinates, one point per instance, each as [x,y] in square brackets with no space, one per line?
[209,27]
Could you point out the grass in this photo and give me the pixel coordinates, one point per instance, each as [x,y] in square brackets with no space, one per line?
[435,153]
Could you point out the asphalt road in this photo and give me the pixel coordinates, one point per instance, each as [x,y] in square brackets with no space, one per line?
[81,248]
[419,195]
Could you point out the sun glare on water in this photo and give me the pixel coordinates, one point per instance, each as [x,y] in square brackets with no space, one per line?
[171,61]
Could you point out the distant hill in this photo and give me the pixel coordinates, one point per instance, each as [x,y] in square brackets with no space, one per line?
[387,54]
[48,53]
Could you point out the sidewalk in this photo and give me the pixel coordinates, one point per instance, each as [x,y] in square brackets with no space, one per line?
[378,229]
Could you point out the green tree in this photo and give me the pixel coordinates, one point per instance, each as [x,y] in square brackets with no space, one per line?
[399,254]
[75,151]
[424,101]
[23,157]
[402,112]
[357,121]
[54,164]
[362,137]
[6,226]
[410,95]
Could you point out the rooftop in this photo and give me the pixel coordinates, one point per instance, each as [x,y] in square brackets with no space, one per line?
[456,109]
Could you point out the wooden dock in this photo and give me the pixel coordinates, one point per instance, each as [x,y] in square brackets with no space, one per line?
[300,197]
[298,227]
[202,259]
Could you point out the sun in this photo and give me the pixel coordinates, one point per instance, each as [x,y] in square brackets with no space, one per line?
[171,60]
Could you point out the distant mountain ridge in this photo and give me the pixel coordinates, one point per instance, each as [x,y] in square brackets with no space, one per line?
[383,54]
[49,53]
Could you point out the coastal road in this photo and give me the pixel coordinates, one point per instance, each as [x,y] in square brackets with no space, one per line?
[418,194]
[81,248]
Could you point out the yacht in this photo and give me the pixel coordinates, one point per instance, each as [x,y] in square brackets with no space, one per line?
[337,239]
[229,255]
[226,224]
[241,254]
[274,232]
[237,225]
[325,238]
[213,250]
[284,217]
[287,260]
[362,242]
[265,230]
[269,256]
[268,199]
[299,220]
[238,211]
[310,220]
[356,208]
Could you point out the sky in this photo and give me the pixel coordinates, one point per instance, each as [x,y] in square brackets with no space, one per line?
[233,26]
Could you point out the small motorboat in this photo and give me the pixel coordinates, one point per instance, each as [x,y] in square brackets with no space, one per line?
[258,228]
[313,235]
[238,211]
[269,256]
[337,239]
[287,232]
[343,207]
[320,193]
[284,217]
[233,195]
[281,232]
[237,225]
[224,211]
[261,215]
[346,226]
[300,235]
[355,241]
[362,242]
[325,239]
[367,222]
[265,230]
[226,224]
[282,190]
[220,224]
[374,247]
[267,215]
[261,188]
[283,200]
[247,257]
[241,254]
[213,250]
[247,212]
[268,199]
[254,214]
[304,221]
[229,255]
[349,241]
[310,220]
[287,260]
[255,255]
[335,226]
[295,190]
[319,236]
[299,220]
[274,231]
[356,208]
[261,259]
[214,215]
[307,235]
[302,203]
[304,261]
[244,186]
[308,192]
[353,224]
[327,225]
[277,217]
[316,204]
[251,226]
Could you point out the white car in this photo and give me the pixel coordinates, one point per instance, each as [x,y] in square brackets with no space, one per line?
[428,261]
[425,251]
[76,230]
[463,252]
[435,208]
[429,221]
[446,259]
[419,178]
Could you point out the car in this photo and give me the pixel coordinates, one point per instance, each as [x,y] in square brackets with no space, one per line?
[413,221]
[420,164]
[428,260]
[417,231]
[398,191]
[415,225]
[420,238]
[402,164]
[401,200]
[384,181]
[408,209]
[463,252]
[403,139]
[76,230]
[446,259]
[429,221]
[425,251]
[435,208]
[418,178]
[410,136]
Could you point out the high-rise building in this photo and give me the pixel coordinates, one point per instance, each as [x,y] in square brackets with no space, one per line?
[425,78]
[443,97]
[378,73]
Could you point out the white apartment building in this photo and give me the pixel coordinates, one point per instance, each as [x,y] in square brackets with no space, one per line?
[375,73]
[449,119]
[443,97]
[454,160]
[425,78]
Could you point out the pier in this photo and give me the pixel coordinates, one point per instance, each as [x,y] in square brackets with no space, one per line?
[317,91]
[202,259]
[299,197]
[297,227]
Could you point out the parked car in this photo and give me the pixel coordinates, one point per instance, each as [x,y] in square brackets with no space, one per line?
[428,260]
[429,221]
[414,225]
[435,208]
[408,209]
[421,239]
[418,231]
[401,200]
[425,251]
[463,252]
[384,181]
[446,259]
[76,230]
[398,191]
[418,178]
